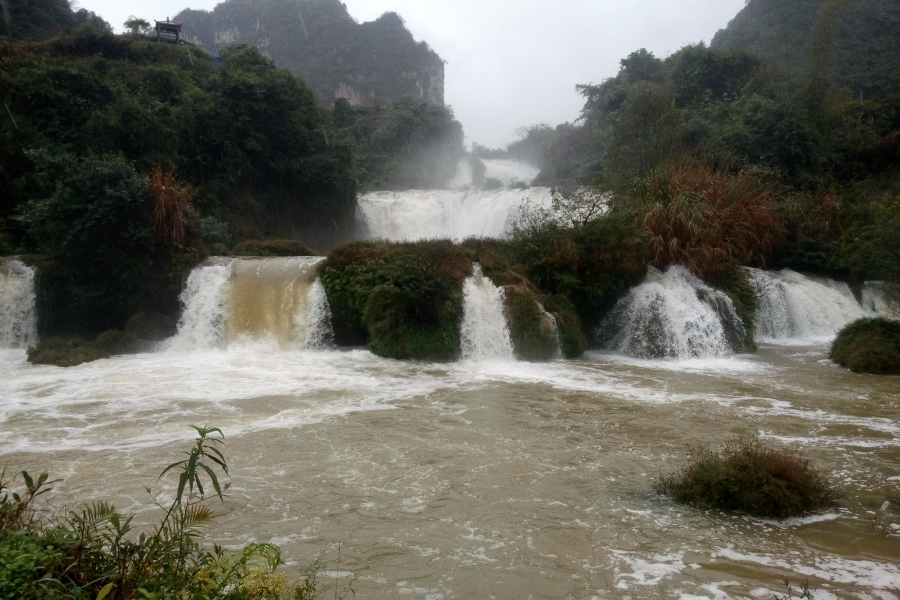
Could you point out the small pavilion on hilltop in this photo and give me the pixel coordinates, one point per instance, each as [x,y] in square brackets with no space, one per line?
[167,31]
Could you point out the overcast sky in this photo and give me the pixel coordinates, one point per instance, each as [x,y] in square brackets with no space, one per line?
[512,63]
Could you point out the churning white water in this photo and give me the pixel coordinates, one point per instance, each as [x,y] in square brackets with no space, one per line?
[426,214]
[794,307]
[18,312]
[484,332]
[227,300]
[671,315]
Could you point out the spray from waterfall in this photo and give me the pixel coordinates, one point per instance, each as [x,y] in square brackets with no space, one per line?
[672,315]
[18,305]
[484,332]
[794,307]
[278,299]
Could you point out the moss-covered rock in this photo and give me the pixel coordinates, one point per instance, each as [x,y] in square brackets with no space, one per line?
[572,341]
[272,248]
[404,300]
[532,332]
[65,352]
[869,346]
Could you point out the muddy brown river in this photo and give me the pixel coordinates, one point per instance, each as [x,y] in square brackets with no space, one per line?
[482,480]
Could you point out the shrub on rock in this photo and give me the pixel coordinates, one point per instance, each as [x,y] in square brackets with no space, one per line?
[869,346]
[403,300]
[531,330]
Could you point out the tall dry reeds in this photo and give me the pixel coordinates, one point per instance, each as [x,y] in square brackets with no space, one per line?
[172,209]
[707,219]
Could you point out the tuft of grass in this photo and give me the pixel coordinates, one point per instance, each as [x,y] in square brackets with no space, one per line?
[869,346]
[751,476]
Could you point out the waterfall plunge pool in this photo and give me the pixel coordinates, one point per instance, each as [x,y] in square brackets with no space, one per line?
[474,479]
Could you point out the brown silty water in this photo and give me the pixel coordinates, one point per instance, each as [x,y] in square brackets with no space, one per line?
[486,478]
[479,480]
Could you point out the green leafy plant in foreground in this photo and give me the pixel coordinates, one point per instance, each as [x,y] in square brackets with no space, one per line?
[96,553]
[752,476]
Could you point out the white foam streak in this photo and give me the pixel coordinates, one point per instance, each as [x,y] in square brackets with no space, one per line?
[18,305]
[484,333]
[428,214]
[794,307]
[205,301]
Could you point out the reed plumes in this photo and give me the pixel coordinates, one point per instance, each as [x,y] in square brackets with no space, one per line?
[707,219]
[172,209]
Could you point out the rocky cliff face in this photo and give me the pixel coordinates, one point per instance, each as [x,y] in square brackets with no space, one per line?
[319,41]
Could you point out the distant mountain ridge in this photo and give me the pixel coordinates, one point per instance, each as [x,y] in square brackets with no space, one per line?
[319,41]
[864,55]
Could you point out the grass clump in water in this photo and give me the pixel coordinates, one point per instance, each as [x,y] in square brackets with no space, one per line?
[869,346]
[751,476]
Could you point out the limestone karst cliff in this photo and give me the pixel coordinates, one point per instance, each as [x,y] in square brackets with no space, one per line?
[319,40]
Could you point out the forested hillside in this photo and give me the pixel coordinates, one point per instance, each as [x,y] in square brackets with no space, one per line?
[125,161]
[321,42]
[855,42]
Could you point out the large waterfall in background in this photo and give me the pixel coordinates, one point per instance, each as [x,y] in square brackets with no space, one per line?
[794,307]
[672,315]
[281,299]
[425,214]
[507,172]
[18,310]
[484,333]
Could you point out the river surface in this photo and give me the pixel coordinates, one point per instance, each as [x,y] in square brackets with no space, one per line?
[482,479]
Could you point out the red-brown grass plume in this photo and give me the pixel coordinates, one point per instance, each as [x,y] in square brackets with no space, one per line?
[172,209]
[707,219]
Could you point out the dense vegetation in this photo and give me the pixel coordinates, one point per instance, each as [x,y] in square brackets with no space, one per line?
[751,476]
[853,43]
[96,551]
[403,300]
[320,42]
[869,346]
[824,165]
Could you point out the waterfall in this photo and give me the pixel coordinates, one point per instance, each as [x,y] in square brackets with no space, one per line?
[554,327]
[672,315]
[484,333]
[426,214]
[18,305]
[874,299]
[801,308]
[226,300]
[504,170]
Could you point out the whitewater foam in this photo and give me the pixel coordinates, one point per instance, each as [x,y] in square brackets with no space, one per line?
[484,333]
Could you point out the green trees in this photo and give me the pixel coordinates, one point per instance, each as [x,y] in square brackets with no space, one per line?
[88,121]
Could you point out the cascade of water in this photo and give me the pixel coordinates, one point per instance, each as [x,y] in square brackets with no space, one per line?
[484,332]
[319,333]
[18,305]
[875,300]
[255,298]
[555,328]
[205,312]
[426,214]
[797,307]
[674,315]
